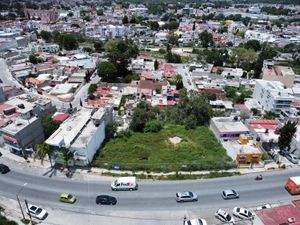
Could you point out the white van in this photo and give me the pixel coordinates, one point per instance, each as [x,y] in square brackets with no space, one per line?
[124,184]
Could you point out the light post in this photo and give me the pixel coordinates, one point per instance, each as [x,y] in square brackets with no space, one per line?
[19,199]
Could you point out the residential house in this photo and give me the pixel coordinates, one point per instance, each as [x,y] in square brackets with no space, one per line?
[81,134]
[227,128]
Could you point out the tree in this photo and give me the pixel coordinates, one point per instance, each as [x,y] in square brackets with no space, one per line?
[173,57]
[70,14]
[107,71]
[119,52]
[92,88]
[33,59]
[286,135]
[206,39]
[154,25]
[125,20]
[41,151]
[87,18]
[100,12]
[46,36]
[153,126]
[142,114]
[253,44]
[110,130]
[173,38]
[177,78]
[70,41]
[49,126]
[98,46]
[156,64]
[243,58]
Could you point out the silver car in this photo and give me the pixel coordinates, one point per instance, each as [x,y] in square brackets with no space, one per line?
[230,194]
[292,158]
[187,196]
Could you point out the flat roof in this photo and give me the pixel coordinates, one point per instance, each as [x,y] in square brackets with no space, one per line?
[18,125]
[69,129]
[279,215]
[227,124]
[28,106]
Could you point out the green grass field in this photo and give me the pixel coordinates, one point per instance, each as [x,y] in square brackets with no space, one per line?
[198,150]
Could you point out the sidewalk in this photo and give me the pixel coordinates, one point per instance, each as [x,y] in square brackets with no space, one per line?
[35,167]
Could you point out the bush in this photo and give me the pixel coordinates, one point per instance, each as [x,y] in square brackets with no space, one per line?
[153,126]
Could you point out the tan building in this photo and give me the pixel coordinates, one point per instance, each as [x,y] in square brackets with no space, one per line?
[284,74]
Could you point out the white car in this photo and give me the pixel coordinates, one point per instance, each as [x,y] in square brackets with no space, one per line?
[198,221]
[266,206]
[224,216]
[243,213]
[187,196]
[37,212]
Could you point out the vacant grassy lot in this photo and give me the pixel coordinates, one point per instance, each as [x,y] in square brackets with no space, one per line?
[198,150]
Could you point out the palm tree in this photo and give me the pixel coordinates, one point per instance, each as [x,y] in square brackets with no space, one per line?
[41,150]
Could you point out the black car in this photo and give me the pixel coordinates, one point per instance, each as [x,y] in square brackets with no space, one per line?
[106,200]
[4,169]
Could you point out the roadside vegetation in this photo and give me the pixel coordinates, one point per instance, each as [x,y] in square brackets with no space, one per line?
[146,145]
[198,150]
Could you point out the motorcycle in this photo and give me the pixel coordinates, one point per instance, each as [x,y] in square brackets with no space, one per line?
[259,177]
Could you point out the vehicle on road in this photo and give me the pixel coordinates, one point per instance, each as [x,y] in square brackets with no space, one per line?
[106,200]
[293,185]
[224,216]
[37,212]
[242,213]
[67,198]
[197,221]
[124,184]
[259,177]
[187,196]
[266,206]
[292,158]
[230,194]
[4,169]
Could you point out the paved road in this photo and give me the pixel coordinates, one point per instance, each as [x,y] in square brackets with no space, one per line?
[152,195]
[183,70]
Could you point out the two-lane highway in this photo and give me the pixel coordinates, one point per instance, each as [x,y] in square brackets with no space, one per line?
[152,195]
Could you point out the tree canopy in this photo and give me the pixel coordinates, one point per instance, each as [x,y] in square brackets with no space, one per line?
[108,72]
[286,135]
[206,39]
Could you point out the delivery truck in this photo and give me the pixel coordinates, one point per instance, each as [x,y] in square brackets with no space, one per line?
[293,185]
[124,184]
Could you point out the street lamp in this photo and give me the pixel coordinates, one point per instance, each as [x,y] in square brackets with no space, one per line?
[19,199]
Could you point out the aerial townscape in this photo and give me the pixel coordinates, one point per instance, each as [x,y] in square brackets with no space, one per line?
[150,112]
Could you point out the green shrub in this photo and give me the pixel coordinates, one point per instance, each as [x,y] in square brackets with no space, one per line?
[153,126]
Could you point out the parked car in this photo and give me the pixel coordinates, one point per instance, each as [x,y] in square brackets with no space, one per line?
[4,169]
[224,216]
[68,198]
[106,200]
[37,212]
[197,221]
[266,206]
[187,196]
[243,213]
[292,158]
[230,194]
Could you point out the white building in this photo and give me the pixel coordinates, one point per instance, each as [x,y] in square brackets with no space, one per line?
[259,36]
[52,48]
[272,95]
[82,135]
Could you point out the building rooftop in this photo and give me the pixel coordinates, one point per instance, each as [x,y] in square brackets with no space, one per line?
[228,125]
[68,131]
[18,125]
[279,215]
[22,106]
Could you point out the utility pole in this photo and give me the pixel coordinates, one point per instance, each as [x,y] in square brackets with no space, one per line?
[17,195]
[28,212]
